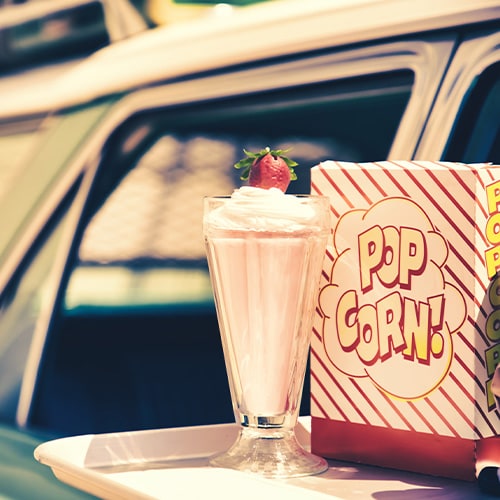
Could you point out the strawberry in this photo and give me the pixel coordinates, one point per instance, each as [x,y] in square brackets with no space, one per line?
[268,168]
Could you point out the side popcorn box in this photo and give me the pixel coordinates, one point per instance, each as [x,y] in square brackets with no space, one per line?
[407,330]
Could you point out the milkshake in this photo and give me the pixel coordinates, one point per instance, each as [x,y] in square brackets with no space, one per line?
[265,251]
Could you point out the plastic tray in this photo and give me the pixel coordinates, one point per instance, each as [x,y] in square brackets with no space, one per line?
[173,464]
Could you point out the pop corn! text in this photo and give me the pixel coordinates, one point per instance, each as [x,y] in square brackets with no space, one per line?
[394,324]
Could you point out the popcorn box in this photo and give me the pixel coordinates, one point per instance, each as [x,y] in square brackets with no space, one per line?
[407,329]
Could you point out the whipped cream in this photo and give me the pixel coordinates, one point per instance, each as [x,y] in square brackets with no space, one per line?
[259,209]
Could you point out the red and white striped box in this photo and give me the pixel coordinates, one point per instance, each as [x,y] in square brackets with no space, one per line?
[407,330]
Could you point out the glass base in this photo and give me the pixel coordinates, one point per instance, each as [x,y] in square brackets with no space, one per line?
[273,453]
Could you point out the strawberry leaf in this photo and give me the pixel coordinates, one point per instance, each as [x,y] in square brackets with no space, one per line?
[251,157]
[246,164]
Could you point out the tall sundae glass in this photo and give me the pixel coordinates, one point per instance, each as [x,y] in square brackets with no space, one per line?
[265,251]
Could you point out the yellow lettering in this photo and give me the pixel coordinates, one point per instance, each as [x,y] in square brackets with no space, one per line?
[492,229]
[492,357]
[416,330]
[493,197]
[493,326]
[389,312]
[368,344]
[494,292]
[347,326]
[490,397]
[492,256]
[389,270]
[413,254]
[371,246]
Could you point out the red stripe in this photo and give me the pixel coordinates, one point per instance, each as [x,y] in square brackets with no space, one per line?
[457,408]
[446,192]
[339,387]
[330,398]
[468,344]
[472,397]
[329,255]
[441,416]
[465,289]
[320,408]
[469,269]
[481,317]
[335,187]
[317,334]
[457,382]
[360,190]
[412,405]
[394,181]
[478,203]
[460,257]
[374,182]
[470,373]
[440,209]
[370,403]
[398,412]
[315,189]
[486,420]
[479,331]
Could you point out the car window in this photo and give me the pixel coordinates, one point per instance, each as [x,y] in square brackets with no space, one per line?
[152,220]
[136,342]
[476,137]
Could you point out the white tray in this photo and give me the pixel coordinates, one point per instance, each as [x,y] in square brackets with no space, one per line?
[172,464]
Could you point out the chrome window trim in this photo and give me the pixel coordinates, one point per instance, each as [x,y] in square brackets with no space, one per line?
[415,55]
[473,57]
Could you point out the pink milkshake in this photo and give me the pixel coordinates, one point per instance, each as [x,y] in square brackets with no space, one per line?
[265,251]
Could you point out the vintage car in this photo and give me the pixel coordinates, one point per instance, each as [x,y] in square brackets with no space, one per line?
[107,321]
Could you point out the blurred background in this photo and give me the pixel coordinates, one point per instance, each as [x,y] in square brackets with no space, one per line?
[34,32]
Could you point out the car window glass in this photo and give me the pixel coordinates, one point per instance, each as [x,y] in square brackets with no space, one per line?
[152,220]
[476,137]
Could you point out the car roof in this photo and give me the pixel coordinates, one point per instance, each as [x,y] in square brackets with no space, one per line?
[233,36]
